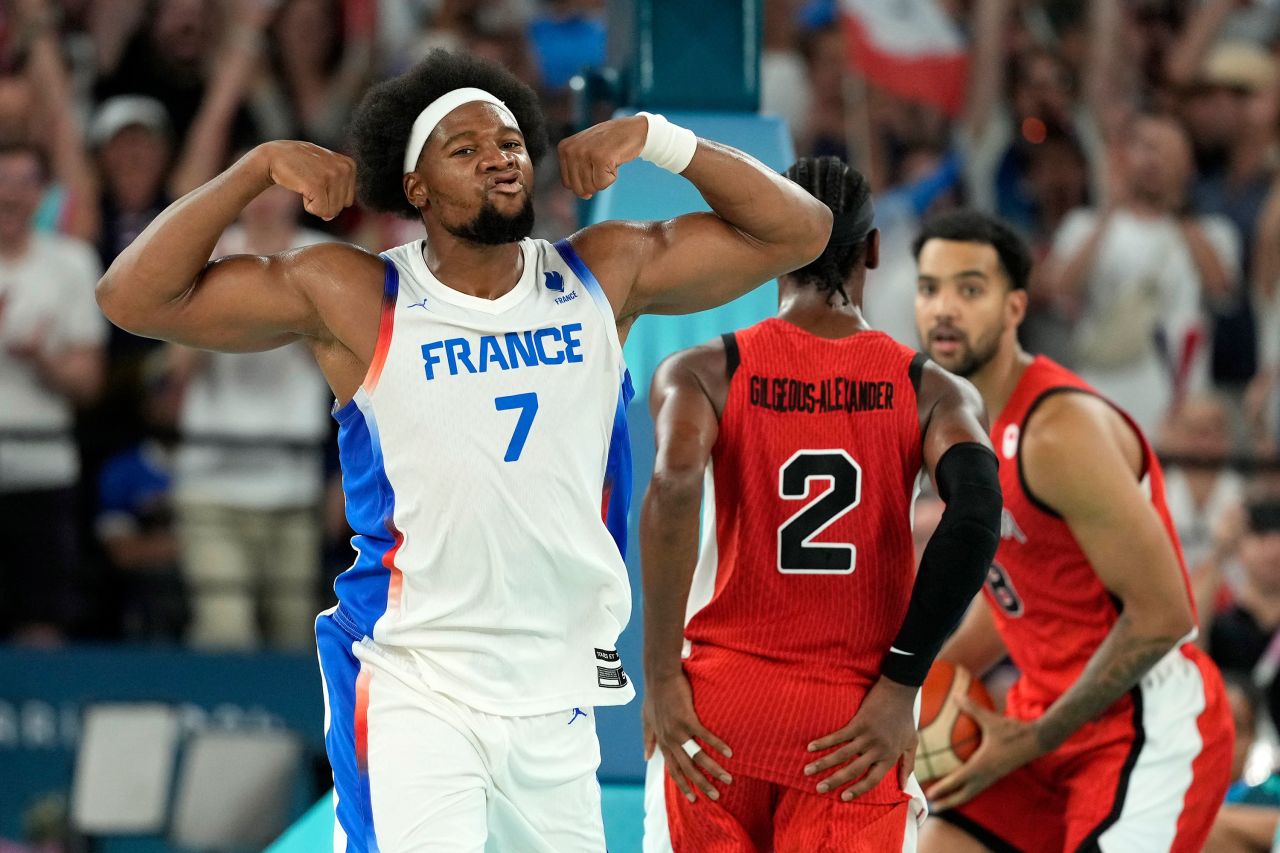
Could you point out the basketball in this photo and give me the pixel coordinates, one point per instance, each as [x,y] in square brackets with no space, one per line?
[948,736]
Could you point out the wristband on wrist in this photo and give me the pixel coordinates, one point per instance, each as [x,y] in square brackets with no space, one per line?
[666,145]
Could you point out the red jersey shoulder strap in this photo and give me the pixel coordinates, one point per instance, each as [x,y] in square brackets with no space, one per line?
[1073,389]
[915,370]
[732,357]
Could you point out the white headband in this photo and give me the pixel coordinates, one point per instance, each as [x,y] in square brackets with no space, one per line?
[435,113]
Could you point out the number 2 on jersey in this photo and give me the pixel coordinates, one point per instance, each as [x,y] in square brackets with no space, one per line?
[528,406]
[796,553]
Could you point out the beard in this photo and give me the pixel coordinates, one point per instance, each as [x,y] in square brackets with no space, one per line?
[975,358]
[969,359]
[491,227]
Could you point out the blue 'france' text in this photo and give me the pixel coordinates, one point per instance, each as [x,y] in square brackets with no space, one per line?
[551,345]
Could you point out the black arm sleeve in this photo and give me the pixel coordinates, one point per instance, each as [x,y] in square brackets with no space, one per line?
[955,561]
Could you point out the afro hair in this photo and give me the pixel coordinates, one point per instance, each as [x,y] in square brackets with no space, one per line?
[382,122]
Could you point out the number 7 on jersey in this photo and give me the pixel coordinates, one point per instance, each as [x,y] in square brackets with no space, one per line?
[528,406]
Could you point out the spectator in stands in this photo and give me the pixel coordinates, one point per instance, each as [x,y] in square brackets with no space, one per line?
[461,24]
[1247,703]
[163,48]
[1245,638]
[1199,495]
[1229,102]
[510,46]
[1247,822]
[36,108]
[133,143]
[1057,181]
[1136,271]
[784,78]
[133,140]
[930,180]
[824,131]
[249,512]
[567,36]
[1226,98]
[1043,94]
[51,336]
[134,521]
[320,55]
[1262,400]
[142,168]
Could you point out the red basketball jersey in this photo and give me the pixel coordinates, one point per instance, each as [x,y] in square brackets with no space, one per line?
[1050,607]
[812,558]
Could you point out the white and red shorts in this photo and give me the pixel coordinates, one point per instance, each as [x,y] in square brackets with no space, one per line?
[417,770]
[1148,779]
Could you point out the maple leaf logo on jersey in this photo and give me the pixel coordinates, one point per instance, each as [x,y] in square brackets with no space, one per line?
[555,281]
[1010,443]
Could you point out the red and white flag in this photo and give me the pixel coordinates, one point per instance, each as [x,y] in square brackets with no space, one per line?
[910,48]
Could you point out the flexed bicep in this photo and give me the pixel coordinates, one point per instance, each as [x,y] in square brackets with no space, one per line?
[241,303]
[163,285]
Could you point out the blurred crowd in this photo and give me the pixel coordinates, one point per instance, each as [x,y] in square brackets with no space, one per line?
[152,493]
[155,494]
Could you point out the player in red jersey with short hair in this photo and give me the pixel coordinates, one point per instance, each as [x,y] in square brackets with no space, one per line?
[809,633]
[1117,734]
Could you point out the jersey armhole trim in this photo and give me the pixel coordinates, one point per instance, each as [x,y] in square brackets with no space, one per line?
[1022,431]
[386,325]
[579,268]
[585,275]
[916,370]
[732,358]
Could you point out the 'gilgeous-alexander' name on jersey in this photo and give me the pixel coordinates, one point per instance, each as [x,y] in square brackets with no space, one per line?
[475,457]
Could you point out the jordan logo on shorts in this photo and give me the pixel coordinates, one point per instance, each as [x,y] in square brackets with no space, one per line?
[577,712]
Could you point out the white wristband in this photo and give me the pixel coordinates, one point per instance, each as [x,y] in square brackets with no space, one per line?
[666,145]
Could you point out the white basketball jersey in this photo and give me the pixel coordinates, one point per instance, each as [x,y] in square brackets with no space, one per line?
[487,472]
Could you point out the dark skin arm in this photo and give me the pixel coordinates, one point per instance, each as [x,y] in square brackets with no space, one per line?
[882,733]
[762,225]
[164,286]
[1099,496]
[686,398]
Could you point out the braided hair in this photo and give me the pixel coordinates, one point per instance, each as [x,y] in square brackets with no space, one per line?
[844,190]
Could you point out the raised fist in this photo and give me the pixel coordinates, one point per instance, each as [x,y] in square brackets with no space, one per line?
[325,180]
[589,160]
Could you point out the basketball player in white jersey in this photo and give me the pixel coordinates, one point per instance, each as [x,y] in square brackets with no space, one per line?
[481,394]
